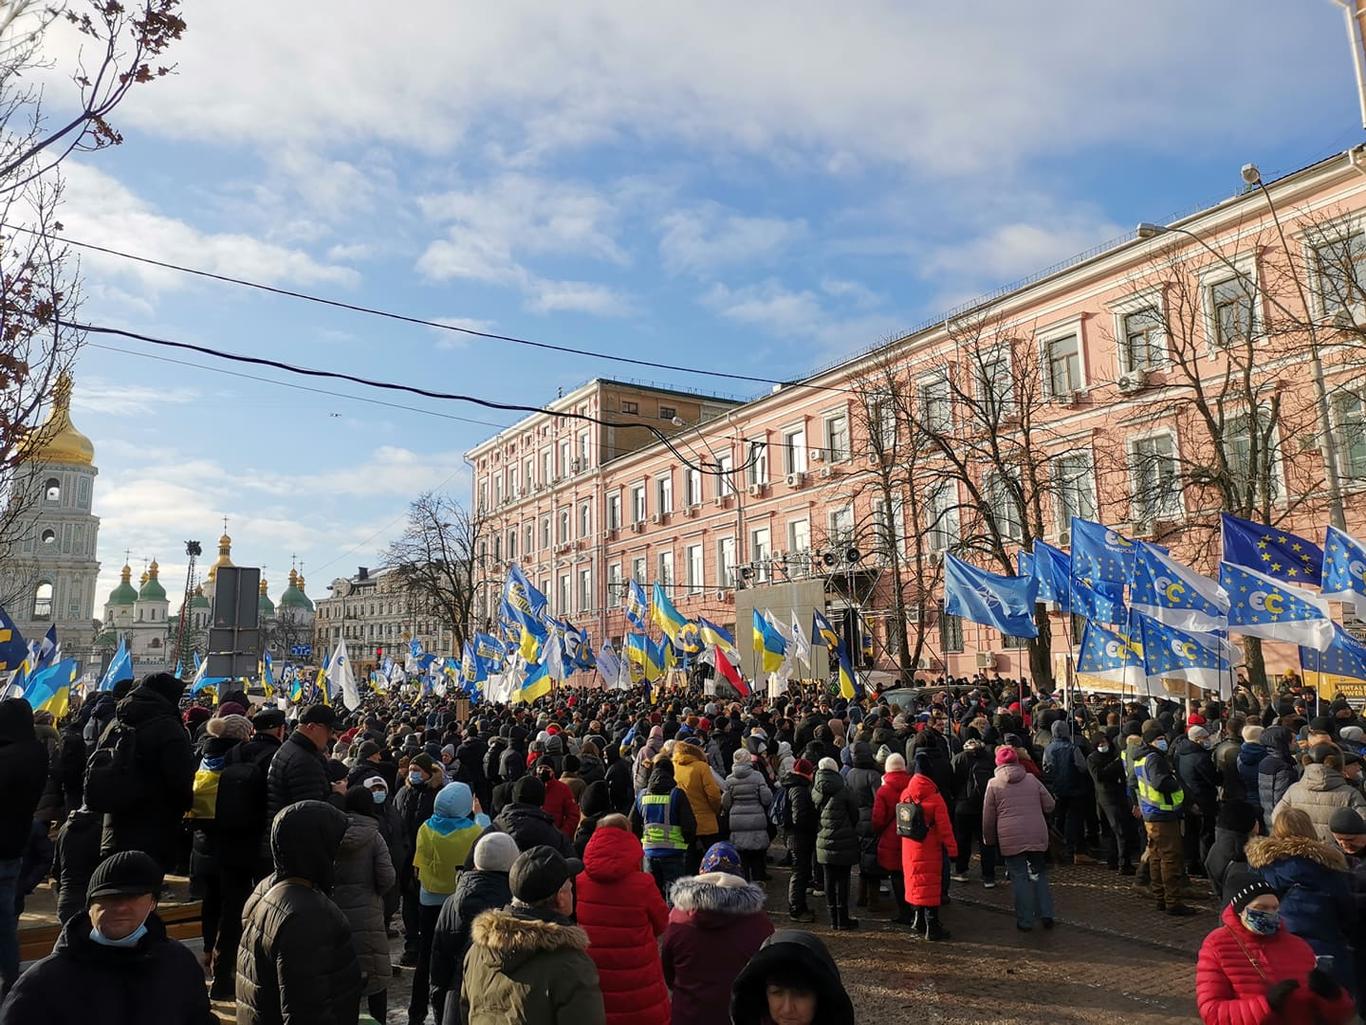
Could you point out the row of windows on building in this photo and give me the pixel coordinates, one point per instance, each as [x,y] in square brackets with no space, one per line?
[341,610]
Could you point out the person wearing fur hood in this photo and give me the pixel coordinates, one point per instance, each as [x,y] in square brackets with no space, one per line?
[717,924]
[1314,887]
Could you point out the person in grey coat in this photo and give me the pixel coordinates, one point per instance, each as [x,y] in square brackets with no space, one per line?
[363,874]
[746,800]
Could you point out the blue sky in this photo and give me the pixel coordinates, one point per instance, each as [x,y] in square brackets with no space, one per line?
[760,188]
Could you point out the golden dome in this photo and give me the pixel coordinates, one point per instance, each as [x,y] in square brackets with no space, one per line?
[57,440]
[224,551]
[145,577]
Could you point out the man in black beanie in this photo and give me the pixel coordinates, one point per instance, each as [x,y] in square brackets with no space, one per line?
[527,822]
[114,962]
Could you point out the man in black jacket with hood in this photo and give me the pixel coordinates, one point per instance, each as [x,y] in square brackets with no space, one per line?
[298,771]
[526,822]
[154,796]
[296,950]
[23,772]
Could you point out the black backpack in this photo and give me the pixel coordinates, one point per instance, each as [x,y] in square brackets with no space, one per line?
[910,821]
[111,776]
[241,803]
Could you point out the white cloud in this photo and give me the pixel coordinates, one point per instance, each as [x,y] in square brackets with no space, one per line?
[97,208]
[344,252]
[928,85]
[98,396]
[454,340]
[800,315]
[1008,251]
[706,238]
[576,297]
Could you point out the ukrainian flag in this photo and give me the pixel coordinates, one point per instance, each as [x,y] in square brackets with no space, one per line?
[320,681]
[535,685]
[768,641]
[670,620]
[49,690]
[849,685]
[654,661]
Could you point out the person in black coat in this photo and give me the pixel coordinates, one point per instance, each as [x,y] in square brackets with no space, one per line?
[932,743]
[414,804]
[973,768]
[597,802]
[77,854]
[1200,782]
[23,773]
[526,823]
[114,962]
[1237,823]
[801,823]
[482,889]
[161,789]
[620,786]
[469,761]
[512,768]
[298,771]
[296,950]
[1106,769]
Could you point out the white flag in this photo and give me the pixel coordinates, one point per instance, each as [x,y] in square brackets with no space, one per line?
[342,679]
[553,653]
[799,640]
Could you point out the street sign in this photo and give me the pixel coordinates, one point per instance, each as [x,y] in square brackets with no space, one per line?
[301,651]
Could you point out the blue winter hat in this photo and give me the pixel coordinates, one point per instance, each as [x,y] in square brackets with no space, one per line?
[454,801]
[722,857]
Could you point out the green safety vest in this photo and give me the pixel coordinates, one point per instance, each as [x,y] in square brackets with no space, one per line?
[663,833]
[1149,797]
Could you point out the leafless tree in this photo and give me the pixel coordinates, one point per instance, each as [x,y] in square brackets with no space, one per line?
[435,559]
[121,48]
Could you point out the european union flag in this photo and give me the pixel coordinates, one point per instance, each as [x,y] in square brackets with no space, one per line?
[1024,563]
[13,648]
[1175,594]
[1198,658]
[1344,657]
[1099,553]
[1103,603]
[1344,570]
[1265,607]
[1053,571]
[1111,655]
[636,606]
[1269,550]
[1006,603]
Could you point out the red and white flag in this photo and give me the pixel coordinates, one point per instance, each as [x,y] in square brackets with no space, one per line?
[730,673]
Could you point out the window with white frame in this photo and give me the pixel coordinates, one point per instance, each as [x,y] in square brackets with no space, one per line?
[564,527]
[566,458]
[1254,472]
[884,538]
[665,568]
[794,449]
[1349,417]
[512,543]
[497,548]
[799,536]
[545,531]
[527,473]
[841,525]
[1157,484]
[725,561]
[1143,340]
[586,590]
[637,503]
[692,486]
[836,436]
[616,589]
[614,509]
[497,489]
[995,385]
[530,545]
[941,517]
[664,494]
[1062,359]
[1231,309]
[1074,488]
[483,495]
[883,421]
[584,449]
[761,553]
[638,569]
[693,556]
[725,468]
[547,466]
[1004,509]
[585,519]
[936,402]
[514,490]
[563,608]
[757,457]
[1340,273]
[950,632]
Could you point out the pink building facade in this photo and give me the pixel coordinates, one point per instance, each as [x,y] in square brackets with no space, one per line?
[1151,384]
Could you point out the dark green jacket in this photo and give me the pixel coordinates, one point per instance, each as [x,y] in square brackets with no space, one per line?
[529,967]
[837,840]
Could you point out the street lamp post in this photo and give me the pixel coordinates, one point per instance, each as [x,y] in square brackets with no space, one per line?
[1327,443]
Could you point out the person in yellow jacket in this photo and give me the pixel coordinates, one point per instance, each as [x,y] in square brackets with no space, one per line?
[693,775]
[444,842]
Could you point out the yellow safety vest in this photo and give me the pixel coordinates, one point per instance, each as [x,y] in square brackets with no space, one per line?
[663,833]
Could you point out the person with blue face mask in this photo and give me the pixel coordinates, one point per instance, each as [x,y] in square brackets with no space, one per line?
[114,962]
[1252,969]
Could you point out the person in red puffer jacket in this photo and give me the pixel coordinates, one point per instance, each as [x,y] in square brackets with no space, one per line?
[894,781]
[923,860]
[1251,971]
[559,799]
[620,908]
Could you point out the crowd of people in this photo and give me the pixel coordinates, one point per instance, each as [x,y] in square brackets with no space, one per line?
[601,857]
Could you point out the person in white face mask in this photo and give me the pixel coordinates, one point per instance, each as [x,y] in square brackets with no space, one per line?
[114,961]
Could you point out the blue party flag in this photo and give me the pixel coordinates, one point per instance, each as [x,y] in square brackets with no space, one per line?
[1265,607]
[1006,603]
[1198,658]
[1175,594]
[1344,570]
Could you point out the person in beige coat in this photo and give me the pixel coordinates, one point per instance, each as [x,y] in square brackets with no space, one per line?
[1322,790]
